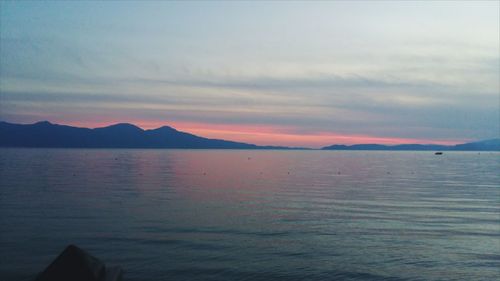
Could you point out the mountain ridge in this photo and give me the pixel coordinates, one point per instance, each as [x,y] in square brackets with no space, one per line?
[484,145]
[121,135]
[124,135]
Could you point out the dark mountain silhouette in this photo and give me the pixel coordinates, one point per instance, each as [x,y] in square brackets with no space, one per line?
[491,145]
[123,135]
[46,134]
[486,145]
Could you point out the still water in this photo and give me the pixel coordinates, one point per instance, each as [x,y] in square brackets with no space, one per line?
[254,215]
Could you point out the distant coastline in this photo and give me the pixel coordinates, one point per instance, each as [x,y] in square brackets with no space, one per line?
[485,145]
[46,135]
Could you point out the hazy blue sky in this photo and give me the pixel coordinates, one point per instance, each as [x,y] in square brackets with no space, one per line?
[292,73]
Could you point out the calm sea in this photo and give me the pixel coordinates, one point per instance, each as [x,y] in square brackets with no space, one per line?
[254,215]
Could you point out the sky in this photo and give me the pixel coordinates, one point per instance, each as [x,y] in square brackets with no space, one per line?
[272,73]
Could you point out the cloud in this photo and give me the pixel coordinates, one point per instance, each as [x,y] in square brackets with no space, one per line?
[312,72]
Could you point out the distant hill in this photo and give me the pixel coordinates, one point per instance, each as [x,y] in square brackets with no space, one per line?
[123,135]
[486,145]
[489,145]
[46,134]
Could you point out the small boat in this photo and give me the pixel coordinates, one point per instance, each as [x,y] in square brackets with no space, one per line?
[77,265]
[438,153]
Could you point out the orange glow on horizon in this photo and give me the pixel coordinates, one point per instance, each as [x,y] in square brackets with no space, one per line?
[271,135]
[268,135]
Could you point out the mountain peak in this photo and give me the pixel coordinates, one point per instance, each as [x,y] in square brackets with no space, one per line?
[490,142]
[123,126]
[166,128]
[43,123]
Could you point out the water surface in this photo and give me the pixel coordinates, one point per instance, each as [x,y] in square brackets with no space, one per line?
[254,215]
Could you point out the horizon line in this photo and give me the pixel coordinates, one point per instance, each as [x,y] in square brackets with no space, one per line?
[384,142]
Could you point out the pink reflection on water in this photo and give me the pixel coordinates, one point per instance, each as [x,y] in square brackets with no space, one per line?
[227,175]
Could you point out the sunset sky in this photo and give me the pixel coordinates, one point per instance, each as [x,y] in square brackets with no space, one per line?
[275,73]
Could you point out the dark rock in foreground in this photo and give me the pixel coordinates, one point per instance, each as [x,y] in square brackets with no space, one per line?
[76,265]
